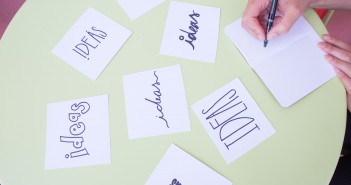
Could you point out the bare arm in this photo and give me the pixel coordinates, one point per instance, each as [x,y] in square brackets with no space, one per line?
[289,10]
[331,4]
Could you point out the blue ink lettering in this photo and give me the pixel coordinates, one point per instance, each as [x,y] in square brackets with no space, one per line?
[73,117]
[78,153]
[89,41]
[76,141]
[102,34]
[225,116]
[84,105]
[194,28]
[157,100]
[76,130]
[175,182]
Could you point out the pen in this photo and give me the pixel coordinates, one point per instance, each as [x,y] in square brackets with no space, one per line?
[270,19]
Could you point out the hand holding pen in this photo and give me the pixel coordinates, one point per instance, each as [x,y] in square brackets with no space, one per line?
[270,22]
[254,18]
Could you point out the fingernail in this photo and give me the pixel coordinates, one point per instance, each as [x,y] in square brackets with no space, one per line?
[272,36]
[261,37]
[322,45]
[337,71]
[329,58]
[326,37]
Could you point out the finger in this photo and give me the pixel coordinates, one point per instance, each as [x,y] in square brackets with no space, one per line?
[250,19]
[339,65]
[284,25]
[277,20]
[254,27]
[263,21]
[335,51]
[337,42]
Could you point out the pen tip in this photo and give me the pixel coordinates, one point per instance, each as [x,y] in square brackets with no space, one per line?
[265,43]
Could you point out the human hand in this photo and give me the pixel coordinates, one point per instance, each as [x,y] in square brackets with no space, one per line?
[338,54]
[288,11]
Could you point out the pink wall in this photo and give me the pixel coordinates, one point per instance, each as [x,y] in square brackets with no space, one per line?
[339,25]
[8,9]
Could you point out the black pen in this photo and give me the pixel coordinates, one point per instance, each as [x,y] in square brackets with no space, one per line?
[270,19]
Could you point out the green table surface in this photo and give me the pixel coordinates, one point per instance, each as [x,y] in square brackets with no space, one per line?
[304,150]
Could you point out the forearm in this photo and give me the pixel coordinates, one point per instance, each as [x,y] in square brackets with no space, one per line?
[331,4]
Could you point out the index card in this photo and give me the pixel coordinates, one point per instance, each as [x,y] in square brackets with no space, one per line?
[191,32]
[178,167]
[233,120]
[136,8]
[253,49]
[78,133]
[91,43]
[291,66]
[156,102]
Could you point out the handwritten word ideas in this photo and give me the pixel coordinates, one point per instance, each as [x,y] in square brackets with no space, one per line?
[179,168]
[78,133]
[76,130]
[233,120]
[194,28]
[156,102]
[91,43]
[191,32]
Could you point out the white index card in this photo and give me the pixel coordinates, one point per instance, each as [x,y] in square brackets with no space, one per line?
[91,43]
[156,102]
[78,133]
[178,167]
[233,120]
[191,32]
